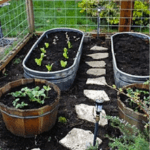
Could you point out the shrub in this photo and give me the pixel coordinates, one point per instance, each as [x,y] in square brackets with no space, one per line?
[141,13]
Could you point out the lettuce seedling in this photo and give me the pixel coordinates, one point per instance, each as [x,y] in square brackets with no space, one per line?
[17,105]
[65,55]
[65,50]
[46,88]
[42,56]
[43,50]
[69,44]
[38,61]
[63,63]
[46,45]
[49,67]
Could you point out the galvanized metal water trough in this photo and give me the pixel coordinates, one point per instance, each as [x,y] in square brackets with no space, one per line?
[122,78]
[63,78]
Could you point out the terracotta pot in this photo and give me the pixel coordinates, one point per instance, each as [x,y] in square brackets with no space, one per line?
[29,122]
[128,114]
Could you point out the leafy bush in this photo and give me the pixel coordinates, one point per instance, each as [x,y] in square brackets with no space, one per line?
[141,13]
[111,12]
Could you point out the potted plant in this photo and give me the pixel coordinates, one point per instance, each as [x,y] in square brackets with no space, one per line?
[55,56]
[130,54]
[133,104]
[29,106]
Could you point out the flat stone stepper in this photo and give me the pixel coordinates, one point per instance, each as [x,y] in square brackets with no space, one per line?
[77,139]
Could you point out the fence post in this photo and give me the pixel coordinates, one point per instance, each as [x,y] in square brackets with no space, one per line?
[126,15]
[30,15]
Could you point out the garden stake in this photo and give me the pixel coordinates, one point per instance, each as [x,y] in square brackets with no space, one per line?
[99,103]
[99,9]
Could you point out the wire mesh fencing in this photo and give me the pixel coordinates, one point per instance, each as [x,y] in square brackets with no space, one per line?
[84,14]
[103,16]
[13,25]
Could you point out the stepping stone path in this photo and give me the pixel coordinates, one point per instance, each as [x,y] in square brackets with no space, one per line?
[97,81]
[96,94]
[98,55]
[96,63]
[77,139]
[96,72]
[88,113]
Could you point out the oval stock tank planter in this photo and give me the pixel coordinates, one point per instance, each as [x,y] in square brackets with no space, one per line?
[29,122]
[133,117]
[63,78]
[121,77]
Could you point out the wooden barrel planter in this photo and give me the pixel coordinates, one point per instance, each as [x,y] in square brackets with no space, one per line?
[29,122]
[128,114]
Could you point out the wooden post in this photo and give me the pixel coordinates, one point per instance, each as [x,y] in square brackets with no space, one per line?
[30,15]
[126,15]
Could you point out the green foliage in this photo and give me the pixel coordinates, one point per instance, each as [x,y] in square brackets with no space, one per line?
[35,95]
[69,44]
[63,63]
[111,12]
[16,61]
[147,82]
[134,140]
[46,45]
[49,67]
[17,105]
[62,120]
[65,50]
[91,147]
[65,53]
[43,50]
[38,61]
[141,13]
[46,88]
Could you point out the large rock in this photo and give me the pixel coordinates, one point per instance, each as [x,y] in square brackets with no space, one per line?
[96,94]
[98,55]
[77,139]
[96,63]
[96,72]
[88,113]
[96,81]
[99,48]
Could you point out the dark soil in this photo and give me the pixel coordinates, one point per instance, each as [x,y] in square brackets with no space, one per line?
[54,53]
[68,101]
[132,54]
[8,99]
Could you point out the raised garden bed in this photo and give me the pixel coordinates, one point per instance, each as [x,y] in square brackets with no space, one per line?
[55,56]
[130,52]
[29,106]
[128,109]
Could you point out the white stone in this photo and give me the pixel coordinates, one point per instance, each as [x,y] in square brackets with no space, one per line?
[77,139]
[36,149]
[98,55]
[97,81]
[96,72]
[88,113]
[98,48]
[96,94]
[96,63]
